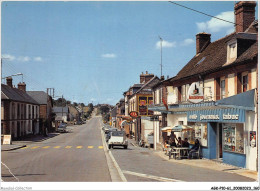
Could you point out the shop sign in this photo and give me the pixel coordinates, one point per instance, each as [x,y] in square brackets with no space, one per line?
[133,114]
[227,115]
[7,140]
[195,93]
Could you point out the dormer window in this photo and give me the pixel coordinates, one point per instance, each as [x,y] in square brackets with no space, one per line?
[231,51]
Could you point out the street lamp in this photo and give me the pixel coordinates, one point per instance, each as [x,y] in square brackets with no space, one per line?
[18,74]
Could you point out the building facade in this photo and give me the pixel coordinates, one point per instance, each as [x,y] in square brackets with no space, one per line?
[19,111]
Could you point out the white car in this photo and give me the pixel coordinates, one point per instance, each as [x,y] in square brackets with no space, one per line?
[117,138]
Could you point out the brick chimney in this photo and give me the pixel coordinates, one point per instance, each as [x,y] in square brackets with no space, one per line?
[202,41]
[245,15]
[9,81]
[145,77]
[22,86]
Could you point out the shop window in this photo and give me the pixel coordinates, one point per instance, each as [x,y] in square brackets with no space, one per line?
[201,133]
[233,138]
[245,83]
[222,89]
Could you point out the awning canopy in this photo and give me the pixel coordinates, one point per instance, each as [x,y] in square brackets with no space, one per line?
[180,128]
[245,100]
[165,129]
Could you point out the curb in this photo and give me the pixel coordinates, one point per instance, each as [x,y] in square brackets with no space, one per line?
[15,148]
[111,159]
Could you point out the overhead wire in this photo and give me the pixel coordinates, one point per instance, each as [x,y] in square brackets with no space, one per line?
[202,13]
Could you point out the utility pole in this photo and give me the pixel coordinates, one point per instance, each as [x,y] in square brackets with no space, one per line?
[161,54]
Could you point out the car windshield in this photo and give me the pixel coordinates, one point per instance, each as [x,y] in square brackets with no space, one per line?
[118,133]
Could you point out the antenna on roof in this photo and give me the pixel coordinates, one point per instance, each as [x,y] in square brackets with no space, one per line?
[161,53]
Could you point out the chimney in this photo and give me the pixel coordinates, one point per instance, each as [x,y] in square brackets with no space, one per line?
[145,77]
[202,41]
[9,81]
[22,86]
[245,15]
[162,77]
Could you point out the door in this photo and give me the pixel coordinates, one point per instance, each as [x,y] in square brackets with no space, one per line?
[220,154]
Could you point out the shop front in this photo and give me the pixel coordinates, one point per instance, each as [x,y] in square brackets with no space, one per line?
[227,130]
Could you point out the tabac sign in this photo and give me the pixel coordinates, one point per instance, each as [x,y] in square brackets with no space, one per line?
[195,93]
[133,114]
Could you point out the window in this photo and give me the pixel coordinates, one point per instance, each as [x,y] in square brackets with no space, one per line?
[245,83]
[222,89]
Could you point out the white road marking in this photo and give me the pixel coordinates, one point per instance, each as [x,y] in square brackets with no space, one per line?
[151,176]
[10,171]
[106,150]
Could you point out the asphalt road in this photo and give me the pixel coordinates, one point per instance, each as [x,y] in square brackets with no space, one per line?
[75,156]
[79,156]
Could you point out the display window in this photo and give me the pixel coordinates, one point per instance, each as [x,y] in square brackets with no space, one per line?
[200,132]
[233,140]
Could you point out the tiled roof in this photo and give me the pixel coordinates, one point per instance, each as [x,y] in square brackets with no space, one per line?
[60,109]
[214,57]
[16,95]
[39,96]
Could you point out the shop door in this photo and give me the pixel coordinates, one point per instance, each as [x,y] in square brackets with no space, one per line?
[220,141]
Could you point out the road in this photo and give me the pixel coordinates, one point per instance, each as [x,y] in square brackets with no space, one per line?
[79,156]
[75,156]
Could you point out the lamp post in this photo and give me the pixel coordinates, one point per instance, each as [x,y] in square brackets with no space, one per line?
[18,74]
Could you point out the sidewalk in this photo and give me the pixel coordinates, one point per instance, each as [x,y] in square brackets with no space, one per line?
[213,165]
[27,141]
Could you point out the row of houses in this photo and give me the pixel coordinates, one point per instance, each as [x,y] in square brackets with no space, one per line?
[26,113]
[215,94]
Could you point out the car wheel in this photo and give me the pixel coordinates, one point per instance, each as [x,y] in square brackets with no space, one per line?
[125,147]
[109,146]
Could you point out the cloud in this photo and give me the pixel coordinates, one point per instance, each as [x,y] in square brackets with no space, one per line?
[24,58]
[215,25]
[165,44]
[38,59]
[108,56]
[187,42]
[8,57]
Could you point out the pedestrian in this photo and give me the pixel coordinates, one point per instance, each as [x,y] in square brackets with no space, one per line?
[179,143]
[186,143]
[194,149]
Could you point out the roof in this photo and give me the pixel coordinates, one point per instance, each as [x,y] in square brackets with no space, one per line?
[137,85]
[39,96]
[214,56]
[8,93]
[60,109]
[147,86]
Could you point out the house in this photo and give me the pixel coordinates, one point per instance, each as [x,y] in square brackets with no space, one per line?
[74,113]
[19,111]
[62,113]
[215,93]
[138,102]
[46,105]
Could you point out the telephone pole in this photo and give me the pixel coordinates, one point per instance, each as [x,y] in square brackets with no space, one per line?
[161,54]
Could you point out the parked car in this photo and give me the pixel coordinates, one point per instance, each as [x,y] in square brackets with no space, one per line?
[62,128]
[109,133]
[117,138]
[106,129]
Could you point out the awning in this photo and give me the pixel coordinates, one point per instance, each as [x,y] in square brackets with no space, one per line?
[123,123]
[245,101]
[180,128]
[165,129]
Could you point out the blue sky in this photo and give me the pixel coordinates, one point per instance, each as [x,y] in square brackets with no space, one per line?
[94,51]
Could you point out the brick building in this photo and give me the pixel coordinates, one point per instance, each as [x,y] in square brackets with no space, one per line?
[19,111]
[46,105]
[214,93]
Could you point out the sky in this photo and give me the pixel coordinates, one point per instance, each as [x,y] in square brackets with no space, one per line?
[91,52]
